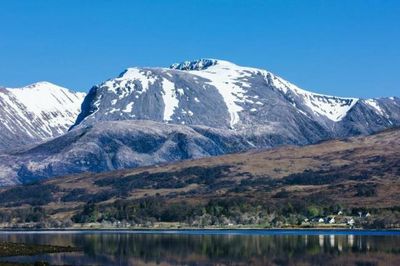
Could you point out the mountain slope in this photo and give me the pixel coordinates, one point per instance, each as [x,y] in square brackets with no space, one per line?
[220,94]
[259,187]
[368,116]
[36,112]
[113,145]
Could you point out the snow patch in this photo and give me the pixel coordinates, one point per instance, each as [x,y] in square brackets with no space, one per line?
[224,76]
[128,108]
[170,100]
[181,91]
[126,78]
[374,104]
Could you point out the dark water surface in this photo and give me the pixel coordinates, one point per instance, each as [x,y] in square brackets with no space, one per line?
[217,247]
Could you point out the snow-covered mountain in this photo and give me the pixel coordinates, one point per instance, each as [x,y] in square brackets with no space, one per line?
[220,94]
[193,109]
[36,112]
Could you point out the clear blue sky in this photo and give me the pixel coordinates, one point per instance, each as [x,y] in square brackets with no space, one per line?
[345,48]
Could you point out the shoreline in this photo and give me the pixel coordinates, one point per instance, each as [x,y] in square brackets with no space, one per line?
[210,231]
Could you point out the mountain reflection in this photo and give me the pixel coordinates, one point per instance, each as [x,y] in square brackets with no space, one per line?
[190,249]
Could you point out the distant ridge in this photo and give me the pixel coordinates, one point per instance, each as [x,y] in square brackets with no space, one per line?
[36,112]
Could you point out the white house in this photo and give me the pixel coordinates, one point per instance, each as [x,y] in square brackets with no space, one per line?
[350,222]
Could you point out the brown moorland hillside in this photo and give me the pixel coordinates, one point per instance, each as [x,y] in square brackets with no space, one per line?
[277,187]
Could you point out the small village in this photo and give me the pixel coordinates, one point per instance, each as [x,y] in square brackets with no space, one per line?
[338,219]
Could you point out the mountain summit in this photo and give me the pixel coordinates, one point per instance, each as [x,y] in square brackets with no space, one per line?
[200,64]
[221,94]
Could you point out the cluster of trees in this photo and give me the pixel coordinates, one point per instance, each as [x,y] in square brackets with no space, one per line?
[37,217]
[213,212]
[157,209]
[223,211]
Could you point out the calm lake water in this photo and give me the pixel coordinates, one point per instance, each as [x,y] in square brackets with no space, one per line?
[218,247]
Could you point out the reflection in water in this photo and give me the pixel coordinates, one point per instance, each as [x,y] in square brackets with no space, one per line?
[339,246]
[350,240]
[321,241]
[109,248]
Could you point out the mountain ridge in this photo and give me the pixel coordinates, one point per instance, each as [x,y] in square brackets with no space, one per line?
[36,112]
